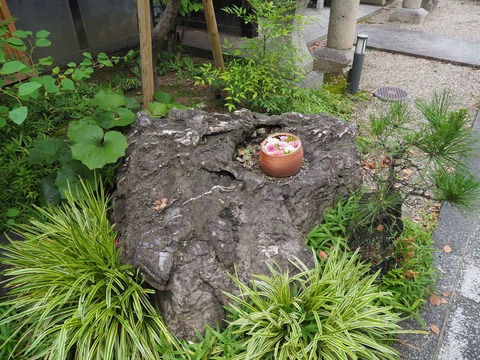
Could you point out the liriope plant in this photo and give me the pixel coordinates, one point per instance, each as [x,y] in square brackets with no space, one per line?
[69,295]
[327,312]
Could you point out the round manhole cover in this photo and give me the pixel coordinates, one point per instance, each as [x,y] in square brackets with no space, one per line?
[391,93]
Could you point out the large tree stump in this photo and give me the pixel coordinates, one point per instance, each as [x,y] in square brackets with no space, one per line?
[188,213]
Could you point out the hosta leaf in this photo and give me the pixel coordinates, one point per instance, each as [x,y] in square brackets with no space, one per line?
[13,66]
[94,149]
[46,151]
[109,101]
[28,88]
[163,97]
[18,115]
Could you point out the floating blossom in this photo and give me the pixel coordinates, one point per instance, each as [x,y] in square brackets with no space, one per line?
[281,145]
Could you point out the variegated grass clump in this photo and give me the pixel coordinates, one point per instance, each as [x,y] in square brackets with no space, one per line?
[327,312]
[69,295]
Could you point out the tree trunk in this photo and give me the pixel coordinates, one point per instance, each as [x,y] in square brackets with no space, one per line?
[166,22]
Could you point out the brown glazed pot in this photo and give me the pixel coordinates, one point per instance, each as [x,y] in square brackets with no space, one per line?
[281,166]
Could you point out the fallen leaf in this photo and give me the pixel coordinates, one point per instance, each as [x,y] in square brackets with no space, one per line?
[443,301]
[161,204]
[380,227]
[435,329]
[323,255]
[446,293]
[411,274]
[435,300]
[408,172]
[447,249]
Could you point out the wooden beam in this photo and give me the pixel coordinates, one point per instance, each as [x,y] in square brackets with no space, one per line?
[213,33]
[146,58]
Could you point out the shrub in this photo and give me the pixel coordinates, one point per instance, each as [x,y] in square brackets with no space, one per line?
[70,295]
[412,277]
[327,312]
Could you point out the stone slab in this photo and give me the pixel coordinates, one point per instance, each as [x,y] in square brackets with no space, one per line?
[436,47]
[462,332]
[409,16]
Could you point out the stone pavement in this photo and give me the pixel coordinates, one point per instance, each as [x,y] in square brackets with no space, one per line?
[453,50]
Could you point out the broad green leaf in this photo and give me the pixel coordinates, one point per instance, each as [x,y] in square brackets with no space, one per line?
[87,55]
[121,117]
[48,83]
[43,42]
[16,43]
[94,149]
[46,151]
[49,193]
[163,97]
[13,66]
[13,212]
[3,121]
[109,101]
[18,115]
[22,34]
[3,109]
[28,88]
[178,106]
[79,75]
[68,84]
[47,61]
[158,109]
[42,34]
[69,175]
[2,55]
[132,103]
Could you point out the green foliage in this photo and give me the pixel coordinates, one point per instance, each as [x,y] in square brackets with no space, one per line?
[412,277]
[164,102]
[182,65]
[327,312]
[263,73]
[214,344]
[186,6]
[41,84]
[70,295]
[336,226]
[431,148]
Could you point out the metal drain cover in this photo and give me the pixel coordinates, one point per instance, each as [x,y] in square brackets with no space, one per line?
[391,93]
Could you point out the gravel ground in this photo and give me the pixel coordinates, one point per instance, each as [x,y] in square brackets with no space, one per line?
[422,78]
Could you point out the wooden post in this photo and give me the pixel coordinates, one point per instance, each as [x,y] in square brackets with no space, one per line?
[146,58]
[213,33]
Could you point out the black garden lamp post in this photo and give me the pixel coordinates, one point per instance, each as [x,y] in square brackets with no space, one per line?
[356,70]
